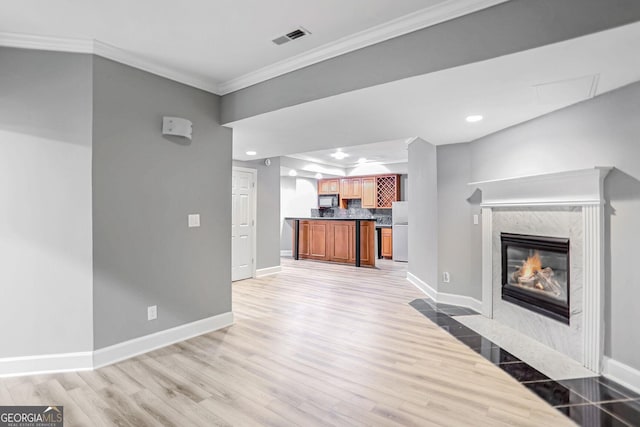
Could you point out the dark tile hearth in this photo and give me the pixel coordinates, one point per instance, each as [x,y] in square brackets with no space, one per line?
[595,401]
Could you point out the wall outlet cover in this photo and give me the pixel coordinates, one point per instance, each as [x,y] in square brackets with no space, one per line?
[446,278]
[476,219]
[152,312]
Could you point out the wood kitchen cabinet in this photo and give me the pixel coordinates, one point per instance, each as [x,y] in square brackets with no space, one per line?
[331,240]
[351,188]
[369,192]
[329,186]
[387,242]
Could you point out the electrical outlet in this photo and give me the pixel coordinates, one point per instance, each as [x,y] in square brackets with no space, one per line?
[445,277]
[152,312]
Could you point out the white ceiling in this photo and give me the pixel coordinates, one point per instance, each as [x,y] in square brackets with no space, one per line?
[506,90]
[384,152]
[211,40]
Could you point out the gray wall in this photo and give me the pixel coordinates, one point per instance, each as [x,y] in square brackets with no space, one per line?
[268,211]
[506,28]
[45,202]
[423,212]
[604,131]
[144,186]
[455,222]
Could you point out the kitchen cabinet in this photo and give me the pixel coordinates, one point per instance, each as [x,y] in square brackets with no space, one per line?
[351,188]
[387,242]
[387,190]
[329,186]
[334,241]
[369,192]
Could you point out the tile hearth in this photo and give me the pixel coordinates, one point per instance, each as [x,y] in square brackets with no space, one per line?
[589,401]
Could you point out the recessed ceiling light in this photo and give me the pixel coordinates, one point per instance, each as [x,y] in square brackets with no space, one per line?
[362,160]
[251,153]
[474,118]
[293,172]
[339,155]
[318,175]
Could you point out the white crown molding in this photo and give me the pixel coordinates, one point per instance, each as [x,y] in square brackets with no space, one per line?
[441,12]
[56,44]
[95,47]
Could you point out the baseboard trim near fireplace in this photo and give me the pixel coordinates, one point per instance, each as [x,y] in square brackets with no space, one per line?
[445,298]
[621,373]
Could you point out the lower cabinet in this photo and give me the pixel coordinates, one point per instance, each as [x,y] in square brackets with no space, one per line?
[335,241]
[387,242]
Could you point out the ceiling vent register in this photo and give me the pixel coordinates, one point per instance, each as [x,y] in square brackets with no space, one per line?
[293,35]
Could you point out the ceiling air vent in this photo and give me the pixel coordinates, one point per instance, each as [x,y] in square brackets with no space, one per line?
[295,34]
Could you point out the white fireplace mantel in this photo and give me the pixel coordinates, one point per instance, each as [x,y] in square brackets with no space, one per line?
[570,188]
[581,188]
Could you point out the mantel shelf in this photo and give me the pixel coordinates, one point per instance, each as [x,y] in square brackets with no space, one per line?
[574,187]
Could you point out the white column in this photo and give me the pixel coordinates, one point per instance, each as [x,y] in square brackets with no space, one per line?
[593,221]
[487,262]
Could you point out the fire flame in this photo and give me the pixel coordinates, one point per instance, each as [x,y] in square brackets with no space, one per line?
[532,265]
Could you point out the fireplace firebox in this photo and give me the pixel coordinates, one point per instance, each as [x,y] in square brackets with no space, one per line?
[535,274]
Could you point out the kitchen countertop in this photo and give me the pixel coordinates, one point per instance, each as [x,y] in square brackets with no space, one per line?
[328,218]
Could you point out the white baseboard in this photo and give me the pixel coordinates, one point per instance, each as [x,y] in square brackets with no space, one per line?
[286,253]
[261,272]
[445,298]
[125,350]
[46,364]
[621,373]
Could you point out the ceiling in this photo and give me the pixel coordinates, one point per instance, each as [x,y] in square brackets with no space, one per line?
[385,152]
[210,40]
[507,90]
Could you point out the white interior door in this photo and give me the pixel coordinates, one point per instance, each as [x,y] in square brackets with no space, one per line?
[243,223]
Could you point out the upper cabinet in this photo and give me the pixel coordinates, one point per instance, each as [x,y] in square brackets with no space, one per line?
[351,188]
[378,191]
[329,186]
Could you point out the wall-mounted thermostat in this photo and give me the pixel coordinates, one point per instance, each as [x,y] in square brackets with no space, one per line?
[177,127]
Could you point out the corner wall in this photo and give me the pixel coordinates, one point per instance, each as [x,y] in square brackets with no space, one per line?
[144,186]
[423,213]
[45,204]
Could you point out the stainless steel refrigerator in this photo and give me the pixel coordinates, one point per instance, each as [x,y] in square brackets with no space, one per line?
[400,225]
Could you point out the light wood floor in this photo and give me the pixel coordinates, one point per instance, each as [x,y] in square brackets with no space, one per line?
[317,344]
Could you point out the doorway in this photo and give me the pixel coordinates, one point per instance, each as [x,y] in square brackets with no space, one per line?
[243,223]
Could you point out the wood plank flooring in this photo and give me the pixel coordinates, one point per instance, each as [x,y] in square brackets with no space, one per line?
[317,344]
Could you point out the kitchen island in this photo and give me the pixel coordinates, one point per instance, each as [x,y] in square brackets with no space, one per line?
[341,240]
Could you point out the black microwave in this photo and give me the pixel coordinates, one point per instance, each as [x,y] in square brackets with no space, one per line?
[328,201]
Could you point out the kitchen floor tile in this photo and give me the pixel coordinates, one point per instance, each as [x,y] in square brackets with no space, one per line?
[594,390]
[523,372]
[628,411]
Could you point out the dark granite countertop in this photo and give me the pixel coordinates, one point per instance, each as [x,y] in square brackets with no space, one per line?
[328,218]
[383,226]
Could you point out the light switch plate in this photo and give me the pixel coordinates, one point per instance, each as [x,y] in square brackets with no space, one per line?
[446,278]
[476,219]
[194,220]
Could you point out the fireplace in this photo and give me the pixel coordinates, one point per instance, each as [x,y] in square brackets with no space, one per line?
[535,274]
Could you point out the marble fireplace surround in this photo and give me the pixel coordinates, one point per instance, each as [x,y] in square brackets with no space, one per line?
[564,204]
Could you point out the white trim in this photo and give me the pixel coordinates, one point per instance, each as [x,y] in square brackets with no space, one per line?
[621,373]
[261,272]
[445,298]
[487,267]
[46,364]
[415,21]
[286,252]
[125,350]
[96,47]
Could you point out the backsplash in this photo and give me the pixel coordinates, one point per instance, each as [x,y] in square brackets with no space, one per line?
[354,210]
